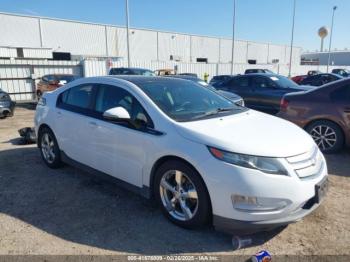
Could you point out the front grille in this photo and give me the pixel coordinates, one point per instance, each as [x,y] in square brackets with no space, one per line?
[308,164]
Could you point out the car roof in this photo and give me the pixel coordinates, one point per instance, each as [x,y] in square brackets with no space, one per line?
[258,74]
[131,68]
[60,75]
[188,77]
[136,79]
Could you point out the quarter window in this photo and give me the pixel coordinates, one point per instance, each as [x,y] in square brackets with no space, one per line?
[78,97]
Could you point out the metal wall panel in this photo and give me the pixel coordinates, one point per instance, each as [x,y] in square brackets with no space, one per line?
[77,38]
[277,52]
[17,77]
[37,53]
[205,47]
[226,51]
[143,45]
[8,52]
[258,52]
[174,44]
[19,31]
[112,41]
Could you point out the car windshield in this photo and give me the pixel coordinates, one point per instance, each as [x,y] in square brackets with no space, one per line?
[66,78]
[283,81]
[187,101]
[143,72]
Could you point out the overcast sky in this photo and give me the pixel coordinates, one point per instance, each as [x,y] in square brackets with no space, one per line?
[257,20]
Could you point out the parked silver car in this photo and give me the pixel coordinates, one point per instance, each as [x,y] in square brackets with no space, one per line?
[7,106]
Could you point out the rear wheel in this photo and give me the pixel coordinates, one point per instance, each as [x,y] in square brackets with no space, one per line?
[49,149]
[327,135]
[182,195]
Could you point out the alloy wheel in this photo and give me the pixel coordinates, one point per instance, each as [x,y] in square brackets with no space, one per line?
[324,136]
[179,195]
[47,148]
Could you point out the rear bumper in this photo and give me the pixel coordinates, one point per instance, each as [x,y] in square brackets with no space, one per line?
[232,226]
[7,108]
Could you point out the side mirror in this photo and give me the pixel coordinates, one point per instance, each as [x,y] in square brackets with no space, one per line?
[118,114]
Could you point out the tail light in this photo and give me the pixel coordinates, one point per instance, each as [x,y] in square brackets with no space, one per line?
[284,104]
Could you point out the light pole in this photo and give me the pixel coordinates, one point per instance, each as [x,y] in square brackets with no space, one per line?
[330,39]
[127,30]
[233,35]
[292,42]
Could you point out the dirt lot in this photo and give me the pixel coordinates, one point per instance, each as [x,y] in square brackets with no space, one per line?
[68,211]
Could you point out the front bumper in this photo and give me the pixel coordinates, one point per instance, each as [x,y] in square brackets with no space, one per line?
[224,180]
[232,226]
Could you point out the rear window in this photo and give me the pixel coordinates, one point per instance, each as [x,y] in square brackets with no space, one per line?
[66,78]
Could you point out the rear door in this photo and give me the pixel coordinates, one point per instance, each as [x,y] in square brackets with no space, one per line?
[74,126]
[239,85]
[341,99]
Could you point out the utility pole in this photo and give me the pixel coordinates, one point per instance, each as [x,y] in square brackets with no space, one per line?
[233,36]
[330,39]
[127,30]
[292,41]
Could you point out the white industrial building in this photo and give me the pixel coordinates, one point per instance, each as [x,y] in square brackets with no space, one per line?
[337,58]
[37,37]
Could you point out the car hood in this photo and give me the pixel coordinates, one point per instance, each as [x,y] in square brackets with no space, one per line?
[249,132]
[229,95]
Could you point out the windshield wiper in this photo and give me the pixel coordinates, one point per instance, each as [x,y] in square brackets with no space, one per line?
[215,112]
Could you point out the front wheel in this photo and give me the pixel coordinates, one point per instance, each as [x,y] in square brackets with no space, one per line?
[327,135]
[182,195]
[49,149]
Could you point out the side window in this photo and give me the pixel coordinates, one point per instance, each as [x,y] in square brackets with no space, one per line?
[341,94]
[262,82]
[112,96]
[240,82]
[50,78]
[77,98]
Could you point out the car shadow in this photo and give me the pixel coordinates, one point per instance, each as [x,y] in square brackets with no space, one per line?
[339,164]
[28,105]
[79,207]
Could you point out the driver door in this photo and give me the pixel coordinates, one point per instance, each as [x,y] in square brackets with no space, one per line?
[266,94]
[121,148]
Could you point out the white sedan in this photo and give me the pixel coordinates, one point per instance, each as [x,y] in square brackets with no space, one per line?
[200,156]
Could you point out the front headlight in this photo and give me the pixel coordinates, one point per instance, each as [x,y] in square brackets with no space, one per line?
[267,165]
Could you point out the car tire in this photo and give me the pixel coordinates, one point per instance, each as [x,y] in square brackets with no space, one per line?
[49,149]
[327,135]
[187,204]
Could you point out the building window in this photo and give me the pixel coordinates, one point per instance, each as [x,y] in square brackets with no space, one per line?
[202,60]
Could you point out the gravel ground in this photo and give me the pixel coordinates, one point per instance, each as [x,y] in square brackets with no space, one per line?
[68,211]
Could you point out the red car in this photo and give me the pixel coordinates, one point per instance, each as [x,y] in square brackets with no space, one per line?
[298,79]
[52,82]
[323,112]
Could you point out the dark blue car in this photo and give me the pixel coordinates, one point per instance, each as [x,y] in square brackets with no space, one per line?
[262,92]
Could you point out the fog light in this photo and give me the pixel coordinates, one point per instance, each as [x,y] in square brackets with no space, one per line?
[256,204]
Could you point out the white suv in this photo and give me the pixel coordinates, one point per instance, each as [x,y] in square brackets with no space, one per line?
[199,155]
